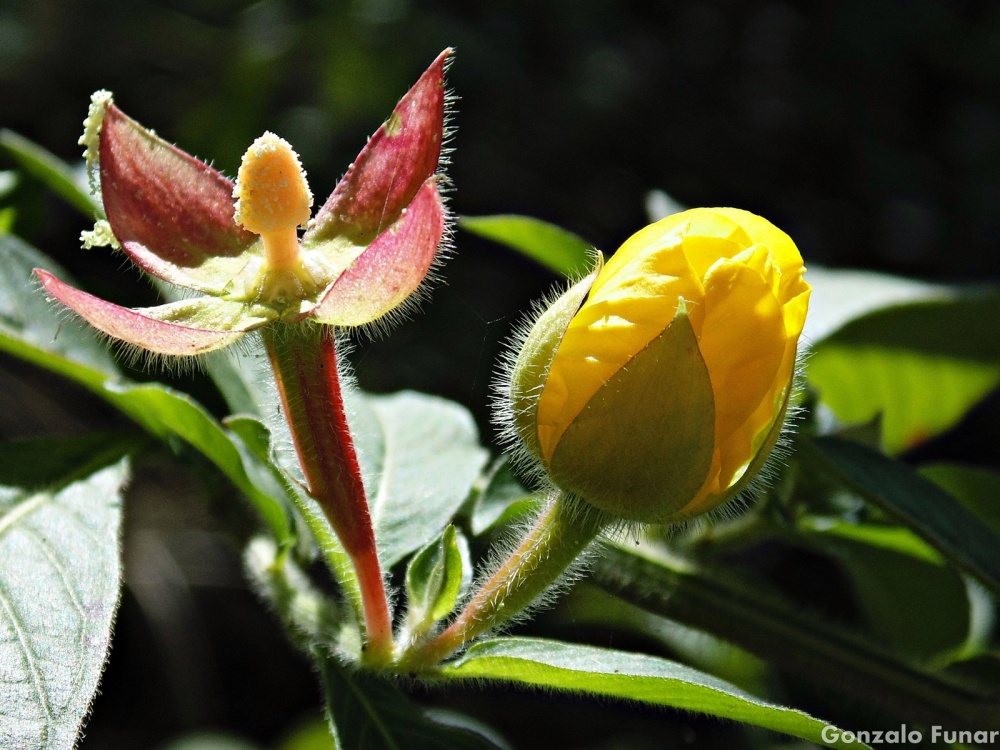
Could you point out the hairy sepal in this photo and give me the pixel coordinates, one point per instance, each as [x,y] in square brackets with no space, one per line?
[178,333]
[392,167]
[171,213]
[531,368]
[391,268]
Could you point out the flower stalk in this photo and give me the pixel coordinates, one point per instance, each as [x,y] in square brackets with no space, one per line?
[551,546]
[304,360]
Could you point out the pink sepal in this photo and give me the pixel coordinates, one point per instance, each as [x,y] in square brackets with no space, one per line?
[391,168]
[132,326]
[392,267]
[172,213]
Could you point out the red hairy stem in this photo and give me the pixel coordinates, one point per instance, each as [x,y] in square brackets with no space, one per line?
[304,359]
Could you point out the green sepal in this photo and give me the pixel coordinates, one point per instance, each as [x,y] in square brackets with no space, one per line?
[532,366]
[659,412]
[211,313]
[436,577]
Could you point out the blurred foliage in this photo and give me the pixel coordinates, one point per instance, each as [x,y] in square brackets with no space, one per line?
[870,131]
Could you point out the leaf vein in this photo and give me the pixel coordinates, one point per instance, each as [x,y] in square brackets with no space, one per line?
[30,658]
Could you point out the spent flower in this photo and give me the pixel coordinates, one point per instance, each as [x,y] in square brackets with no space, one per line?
[361,257]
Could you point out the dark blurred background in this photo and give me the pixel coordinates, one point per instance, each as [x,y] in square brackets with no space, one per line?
[868,129]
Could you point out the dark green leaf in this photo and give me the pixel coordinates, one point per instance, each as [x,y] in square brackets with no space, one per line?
[891,570]
[552,246]
[33,463]
[919,366]
[59,580]
[842,295]
[930,511]
[618,674]
[314,735]
[977,489]
[367,713]
[211,742]
[739,609]
[57,175]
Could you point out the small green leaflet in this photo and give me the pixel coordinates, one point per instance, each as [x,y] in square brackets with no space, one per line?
[435,579]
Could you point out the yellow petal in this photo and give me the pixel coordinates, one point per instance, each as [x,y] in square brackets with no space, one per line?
[743,343]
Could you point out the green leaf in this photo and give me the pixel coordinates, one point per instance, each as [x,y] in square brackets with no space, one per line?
[30,329]
[606,673]
[420,456]
[68,183]
[891,571]
[919,366]
[977,489]
[34,463]
[367,713]
[588,604]
[501,499]
[842,295]
[313,735]
[8,181]
[552,246]
[211,741]
[435,579]
[741,610]
[8,216]
[59,580]
[930,511]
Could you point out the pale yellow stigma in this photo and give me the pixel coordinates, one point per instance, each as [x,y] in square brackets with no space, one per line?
[273,200]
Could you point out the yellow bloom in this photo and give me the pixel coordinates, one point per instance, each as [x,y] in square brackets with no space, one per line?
[665,391]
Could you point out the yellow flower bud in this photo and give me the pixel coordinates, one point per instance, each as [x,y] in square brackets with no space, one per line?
[657,387]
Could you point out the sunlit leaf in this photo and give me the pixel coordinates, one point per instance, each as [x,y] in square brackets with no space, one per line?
[554,247]
[59,580]
[920,367]
[605,673]
[420,456]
